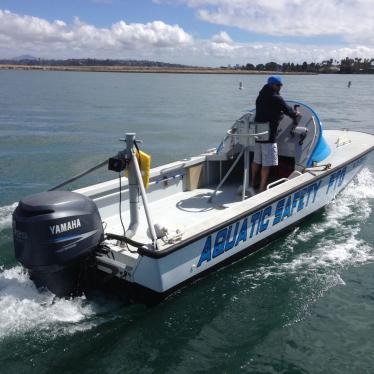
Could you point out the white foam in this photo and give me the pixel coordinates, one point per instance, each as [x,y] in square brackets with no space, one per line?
[362,186]
[23,308]
[352,205]
[6,215]
[333,254]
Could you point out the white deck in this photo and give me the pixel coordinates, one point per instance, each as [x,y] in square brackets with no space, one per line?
[179,210]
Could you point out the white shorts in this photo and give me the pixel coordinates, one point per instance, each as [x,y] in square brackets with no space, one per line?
[266,154]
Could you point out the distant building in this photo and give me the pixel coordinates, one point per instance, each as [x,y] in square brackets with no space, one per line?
[330,69]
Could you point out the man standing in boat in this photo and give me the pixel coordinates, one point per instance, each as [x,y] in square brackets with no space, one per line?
[270,107]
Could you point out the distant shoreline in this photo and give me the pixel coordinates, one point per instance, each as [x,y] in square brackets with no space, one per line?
[142,69]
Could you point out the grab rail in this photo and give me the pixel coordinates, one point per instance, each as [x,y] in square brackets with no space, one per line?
[279,181]
[258,134]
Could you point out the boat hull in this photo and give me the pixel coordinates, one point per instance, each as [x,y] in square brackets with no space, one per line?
[160,273]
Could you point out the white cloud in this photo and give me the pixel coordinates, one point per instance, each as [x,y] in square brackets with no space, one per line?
[156,33]
[222,37]
[207,52]
[23,34]
[41,36]
[352,20]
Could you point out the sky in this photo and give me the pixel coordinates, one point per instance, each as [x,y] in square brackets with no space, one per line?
[191,32]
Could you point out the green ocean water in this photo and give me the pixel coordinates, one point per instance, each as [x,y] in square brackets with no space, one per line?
[305,304]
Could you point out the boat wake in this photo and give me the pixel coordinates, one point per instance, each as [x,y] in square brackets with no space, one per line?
[315,254]
[337,236]
[6,215]
[24,309]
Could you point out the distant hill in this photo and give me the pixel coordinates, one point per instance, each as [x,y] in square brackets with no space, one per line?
[24,57]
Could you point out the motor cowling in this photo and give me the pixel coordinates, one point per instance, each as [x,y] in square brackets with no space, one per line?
[54,233]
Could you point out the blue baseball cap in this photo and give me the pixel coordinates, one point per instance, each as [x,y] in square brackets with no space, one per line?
[275,79]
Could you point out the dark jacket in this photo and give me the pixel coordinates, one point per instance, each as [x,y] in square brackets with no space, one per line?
[270,107]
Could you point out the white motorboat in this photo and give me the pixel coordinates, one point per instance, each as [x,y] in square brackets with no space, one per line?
[148,235]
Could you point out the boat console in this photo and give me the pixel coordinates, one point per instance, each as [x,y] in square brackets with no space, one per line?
[300,145]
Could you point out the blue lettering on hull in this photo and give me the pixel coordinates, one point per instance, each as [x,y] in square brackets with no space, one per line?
[245,229]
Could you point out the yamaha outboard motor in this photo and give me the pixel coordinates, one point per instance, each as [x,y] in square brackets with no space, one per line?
[55,233]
